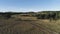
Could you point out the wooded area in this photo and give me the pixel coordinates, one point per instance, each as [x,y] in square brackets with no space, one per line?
[40,15]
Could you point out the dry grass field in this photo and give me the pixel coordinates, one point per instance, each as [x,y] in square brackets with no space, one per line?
[53,25]
[38,26]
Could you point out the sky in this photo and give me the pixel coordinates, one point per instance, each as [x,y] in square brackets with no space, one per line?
[29,5]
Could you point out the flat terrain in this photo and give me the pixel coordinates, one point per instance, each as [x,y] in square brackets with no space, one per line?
[12,26]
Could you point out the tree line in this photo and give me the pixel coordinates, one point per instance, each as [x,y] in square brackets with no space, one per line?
[40,15]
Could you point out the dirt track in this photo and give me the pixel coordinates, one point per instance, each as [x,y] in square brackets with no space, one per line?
[43,29]
[24,27]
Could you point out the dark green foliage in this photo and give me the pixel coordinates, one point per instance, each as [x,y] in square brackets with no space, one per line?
[49,15]
[40,15]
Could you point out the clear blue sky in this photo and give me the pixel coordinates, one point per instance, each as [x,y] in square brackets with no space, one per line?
[29,5]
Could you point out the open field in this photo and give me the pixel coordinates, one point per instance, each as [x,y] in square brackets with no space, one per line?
[30,23]
[12,26]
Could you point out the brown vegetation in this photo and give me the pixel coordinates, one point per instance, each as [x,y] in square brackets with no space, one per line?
[29,24]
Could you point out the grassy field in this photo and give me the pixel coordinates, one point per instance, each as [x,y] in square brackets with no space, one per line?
[18,27]
[53,25]
[38,26]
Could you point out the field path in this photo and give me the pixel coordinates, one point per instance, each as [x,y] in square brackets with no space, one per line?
[42,28]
